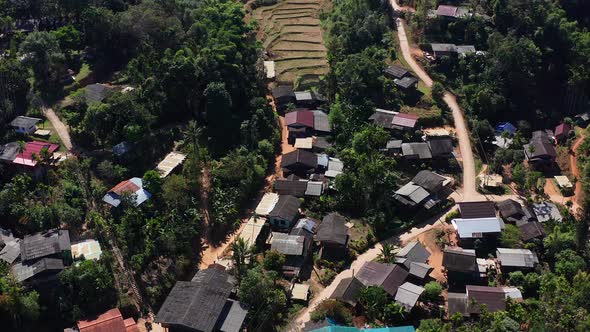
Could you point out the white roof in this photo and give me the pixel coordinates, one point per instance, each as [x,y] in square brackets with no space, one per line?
[252,230]
[269,68]
[303,143]
[303,95]
[512,292]
[314,188]
[335,164]
[170,162]
[90,249]
[474,228]
[323,160]
[299,292]
[267,203]
[380,110]
[502,142]
[563,181]
[490,180]
[436,132]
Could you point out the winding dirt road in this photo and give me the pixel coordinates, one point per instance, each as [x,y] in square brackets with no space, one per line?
[469,191]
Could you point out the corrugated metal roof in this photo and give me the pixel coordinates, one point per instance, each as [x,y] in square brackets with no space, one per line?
[516,257]
[407,295]
[169,163]
[545,211]
[474,228]
[251,231]
[290,245]
[321,121]
[267,204]
[300,292]
[90,249]
[233,321]
[314,188]
[414,192]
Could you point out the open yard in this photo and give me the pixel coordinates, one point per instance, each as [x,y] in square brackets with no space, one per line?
[291,34]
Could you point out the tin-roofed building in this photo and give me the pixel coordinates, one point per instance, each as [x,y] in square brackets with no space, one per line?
[333,236]
[285,212]
[25,124]
[388,276]
[109,321]
[531,230]
[203,304]
[407,295]
[133,188]
[348,290]
[516,259]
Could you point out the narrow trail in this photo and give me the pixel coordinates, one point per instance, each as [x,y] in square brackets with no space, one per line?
[211,254]
[59,126]
[575,170]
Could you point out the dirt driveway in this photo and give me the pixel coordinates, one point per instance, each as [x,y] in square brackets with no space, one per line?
[59,126]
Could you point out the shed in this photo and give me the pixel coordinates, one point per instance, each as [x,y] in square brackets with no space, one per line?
[283,95]
[109,321]
[531,230]
[25,124]
[348,290]
[89,249]
[9,151]
[295,188]
[269,69]
[395,71]
[420,270]
[266,204]
[252,230]
[406,82]
[402,121]
[408,294]
[513,212]
[445,10]
[563,182]
[420,151]
[169,163]
[459,260]
[516,258]
[429,180]
[314,188]
[321,122]
[48,243]
[304,143]
[94,93]
[546,211]
[441,50]
[299,292]
[481,209]
[383,118]
[441,147]
[388,276]
[490,180]
[505,126]
[411,194]
[413,252]
[132,187]
[306,98]
[562,131]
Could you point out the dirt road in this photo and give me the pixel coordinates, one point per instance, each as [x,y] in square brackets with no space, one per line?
[211,254]
[60,127]
[369,255]
[469,191]
[574,168]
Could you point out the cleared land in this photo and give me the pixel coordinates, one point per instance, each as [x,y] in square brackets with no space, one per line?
[291,34]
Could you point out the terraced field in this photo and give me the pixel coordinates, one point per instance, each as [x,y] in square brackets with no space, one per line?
[291,34]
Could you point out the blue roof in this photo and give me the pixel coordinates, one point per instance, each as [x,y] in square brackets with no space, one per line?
[408,328]
[506,126]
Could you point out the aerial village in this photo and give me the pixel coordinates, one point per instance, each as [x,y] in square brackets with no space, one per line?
[467,209]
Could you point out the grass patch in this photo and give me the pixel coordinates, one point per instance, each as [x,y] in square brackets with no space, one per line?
[53,138]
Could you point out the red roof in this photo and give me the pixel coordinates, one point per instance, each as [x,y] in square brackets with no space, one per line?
[562,129]
[33,148]
[404,120]
[125,187]
[110,321]
[300,118]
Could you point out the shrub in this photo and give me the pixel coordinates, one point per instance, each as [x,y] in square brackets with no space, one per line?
[334,309]
[432,291]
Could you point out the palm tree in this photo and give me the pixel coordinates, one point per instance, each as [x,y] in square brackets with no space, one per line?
[387,254]
[22,146]
[241,254]
[193,136]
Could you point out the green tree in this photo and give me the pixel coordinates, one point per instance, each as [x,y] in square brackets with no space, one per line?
[17,305]
[241,255]
[42,52]
[569,263]
[268,302]
[432,291]
[86,289]
[510,237]
[69,39]
[273,261]
[373,300]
